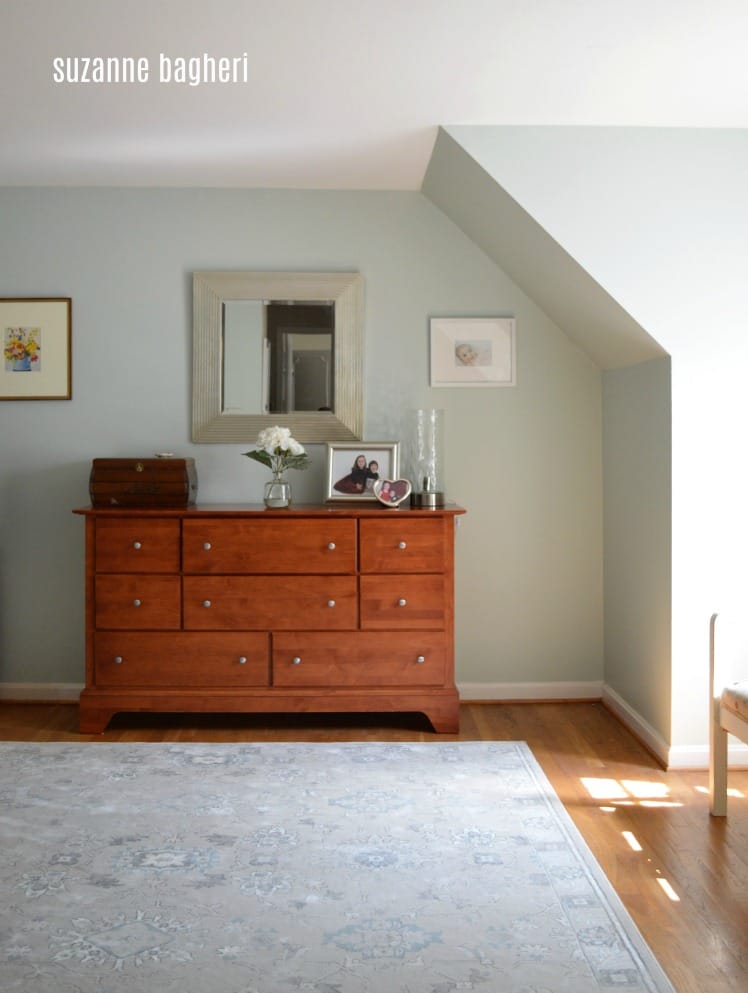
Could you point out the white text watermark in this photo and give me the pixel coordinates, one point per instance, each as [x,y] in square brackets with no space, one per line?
[196,70]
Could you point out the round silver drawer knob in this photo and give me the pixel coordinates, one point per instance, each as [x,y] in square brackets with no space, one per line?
[136,544]
[402,544]
[401,602]
[332,546]
[296,660]
[242,660]
[136,603]
[421,659]
[118,660]
[330,603]
[206,603]
[207,546]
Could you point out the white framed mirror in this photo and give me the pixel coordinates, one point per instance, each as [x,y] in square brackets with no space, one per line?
[214,419]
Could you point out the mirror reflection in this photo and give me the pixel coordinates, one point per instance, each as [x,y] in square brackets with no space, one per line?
[278,356]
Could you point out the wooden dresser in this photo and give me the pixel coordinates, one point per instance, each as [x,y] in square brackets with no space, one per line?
[218,608]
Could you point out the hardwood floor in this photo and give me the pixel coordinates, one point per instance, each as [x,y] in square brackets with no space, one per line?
[682,874]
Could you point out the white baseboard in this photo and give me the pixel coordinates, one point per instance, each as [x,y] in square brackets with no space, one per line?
[530,691]
[643,730]
[572,691]
[697,756]
[671,756]
[41,692]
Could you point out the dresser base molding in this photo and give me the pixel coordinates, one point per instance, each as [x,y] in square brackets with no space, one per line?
[440,706]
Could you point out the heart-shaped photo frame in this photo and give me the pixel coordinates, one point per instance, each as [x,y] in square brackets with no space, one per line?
[392,492]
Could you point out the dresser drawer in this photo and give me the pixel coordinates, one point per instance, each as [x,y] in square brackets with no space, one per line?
[137,545]
[269,546]
[396,602]
[267,602]
[178,660]
[359,658]
[402,544]
[138,602]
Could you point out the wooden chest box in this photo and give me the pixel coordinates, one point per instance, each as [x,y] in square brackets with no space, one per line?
[159,482]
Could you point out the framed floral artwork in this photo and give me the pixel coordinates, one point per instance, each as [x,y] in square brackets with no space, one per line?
[354,466]
[473,351]
[36,334]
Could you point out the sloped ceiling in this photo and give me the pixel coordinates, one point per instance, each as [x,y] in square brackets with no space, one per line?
[471,197]
[349,96]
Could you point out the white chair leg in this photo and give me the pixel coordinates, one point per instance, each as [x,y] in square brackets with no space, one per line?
[718,768]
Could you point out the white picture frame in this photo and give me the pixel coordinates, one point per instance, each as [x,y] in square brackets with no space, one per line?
[473,351]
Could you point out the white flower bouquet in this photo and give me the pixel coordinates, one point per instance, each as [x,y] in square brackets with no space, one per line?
[279,451]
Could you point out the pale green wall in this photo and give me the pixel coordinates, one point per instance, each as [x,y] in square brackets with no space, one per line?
[524,461]
[636,492]
[659,218]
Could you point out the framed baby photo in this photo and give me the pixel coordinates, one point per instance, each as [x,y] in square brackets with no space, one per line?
[473,351]
[354,466]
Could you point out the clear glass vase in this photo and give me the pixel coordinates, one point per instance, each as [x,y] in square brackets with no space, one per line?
[277,492]
[425,453]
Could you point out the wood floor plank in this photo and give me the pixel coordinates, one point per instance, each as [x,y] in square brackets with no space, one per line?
[614,790]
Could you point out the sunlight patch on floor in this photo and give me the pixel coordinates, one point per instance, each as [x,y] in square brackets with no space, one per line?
[738,794]
[617,793]
[632,841]
[629,792]
[668,890]
[645,790]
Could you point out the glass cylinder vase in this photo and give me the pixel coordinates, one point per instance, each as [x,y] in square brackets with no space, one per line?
[277,492]
[426,457]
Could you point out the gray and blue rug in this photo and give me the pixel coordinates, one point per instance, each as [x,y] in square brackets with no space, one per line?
[286,868]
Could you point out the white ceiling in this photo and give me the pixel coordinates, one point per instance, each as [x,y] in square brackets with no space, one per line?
[348,94]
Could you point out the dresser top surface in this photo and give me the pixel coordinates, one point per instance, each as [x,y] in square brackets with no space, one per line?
[342,509]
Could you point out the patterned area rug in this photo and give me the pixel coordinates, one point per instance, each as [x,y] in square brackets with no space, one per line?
[285,868]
